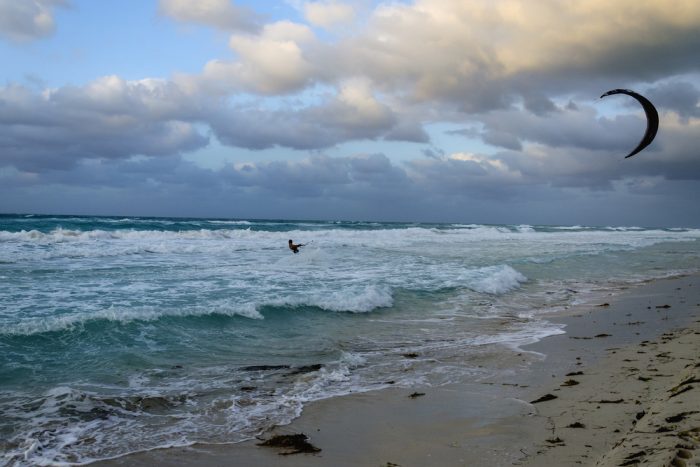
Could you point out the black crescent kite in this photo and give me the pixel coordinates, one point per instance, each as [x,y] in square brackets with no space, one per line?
[652,118]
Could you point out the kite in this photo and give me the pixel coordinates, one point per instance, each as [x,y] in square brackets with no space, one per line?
[652,118]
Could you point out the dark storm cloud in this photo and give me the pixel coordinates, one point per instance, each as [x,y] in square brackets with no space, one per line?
[320,176]
[108,119]
[317,176]
[335,121]
[575,127]
[681,97]
[115,119]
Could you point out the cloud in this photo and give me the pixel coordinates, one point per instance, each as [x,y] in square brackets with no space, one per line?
[328,13]
[463,186]
[27,20]
[389,81]
[353,113]
[681,97]
[222,14]
[272,62]
[490,52]
[110,118]
[318,177]
[523,77]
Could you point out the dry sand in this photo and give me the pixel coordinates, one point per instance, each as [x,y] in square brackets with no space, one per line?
[626,376]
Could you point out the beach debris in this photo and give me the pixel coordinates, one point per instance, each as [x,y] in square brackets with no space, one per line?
[294,444]
[663,306]
[410,355]
[633,459]
[545,398]
[556,440]
[681,391]
[416,394]
[689,380]
[640,414]
[692,434]
[604,304]
[248,388]
[576,425]
[651,114]
[603,335]
[264,367]
[570,382]
[681,416]
[574,373]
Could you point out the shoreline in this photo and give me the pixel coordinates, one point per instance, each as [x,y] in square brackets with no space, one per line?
[492,422]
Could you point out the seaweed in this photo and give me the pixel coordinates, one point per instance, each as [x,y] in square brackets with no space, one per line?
[296,443]
[681,416]
[545,398]
[264,367]
[570,382]
[681,391]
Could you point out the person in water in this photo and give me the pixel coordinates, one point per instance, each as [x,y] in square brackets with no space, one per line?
[294,246]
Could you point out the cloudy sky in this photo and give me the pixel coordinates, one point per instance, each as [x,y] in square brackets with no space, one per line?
[483,111]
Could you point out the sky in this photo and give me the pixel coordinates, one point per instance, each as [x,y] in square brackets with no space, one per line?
[478,111]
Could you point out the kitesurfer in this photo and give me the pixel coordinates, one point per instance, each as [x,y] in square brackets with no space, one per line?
[295,246]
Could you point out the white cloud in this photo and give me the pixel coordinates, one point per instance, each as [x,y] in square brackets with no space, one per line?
[222,14]
[26,20]
[270,63]
[356,108]
[480,52]
[328,13]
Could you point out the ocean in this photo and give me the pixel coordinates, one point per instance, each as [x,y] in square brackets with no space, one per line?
[120,334]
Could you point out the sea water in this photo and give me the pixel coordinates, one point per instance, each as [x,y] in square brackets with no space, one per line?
[127,334]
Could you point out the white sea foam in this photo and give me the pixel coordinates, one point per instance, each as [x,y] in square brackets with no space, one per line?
[74,321]
[497,280]
[352,299]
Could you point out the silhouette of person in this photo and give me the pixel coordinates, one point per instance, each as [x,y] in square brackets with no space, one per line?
[295,246]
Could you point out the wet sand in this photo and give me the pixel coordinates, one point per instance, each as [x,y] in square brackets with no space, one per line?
[623,388]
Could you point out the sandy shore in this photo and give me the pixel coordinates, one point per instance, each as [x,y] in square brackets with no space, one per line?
[623,386]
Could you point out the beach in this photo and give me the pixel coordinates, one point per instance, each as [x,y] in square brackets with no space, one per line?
[192,341]
[619,387]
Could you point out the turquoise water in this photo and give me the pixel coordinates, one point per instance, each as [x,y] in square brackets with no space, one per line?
[126,334]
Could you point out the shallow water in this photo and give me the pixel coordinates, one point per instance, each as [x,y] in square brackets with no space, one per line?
[123,334]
